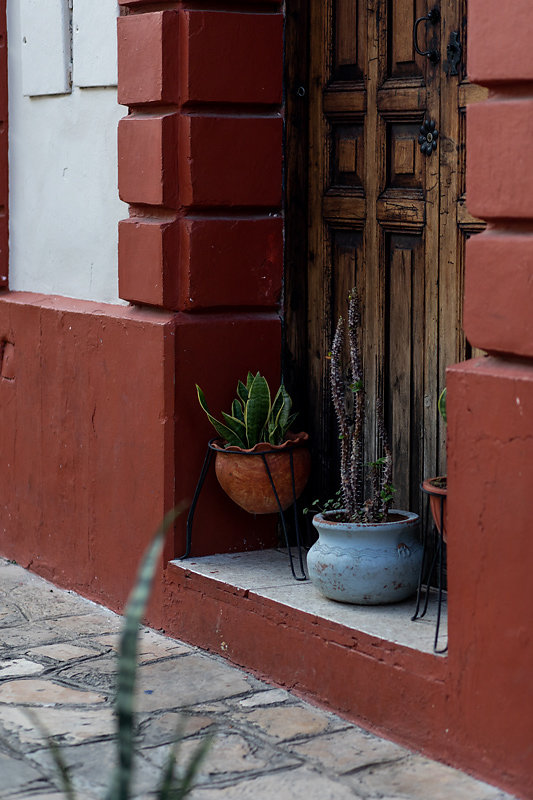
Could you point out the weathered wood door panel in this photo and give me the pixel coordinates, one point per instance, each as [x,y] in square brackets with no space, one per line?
[386,217]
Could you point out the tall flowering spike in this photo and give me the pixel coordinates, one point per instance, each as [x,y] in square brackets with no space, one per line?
[385,493]
[356,461]
[351,429]
[338,392]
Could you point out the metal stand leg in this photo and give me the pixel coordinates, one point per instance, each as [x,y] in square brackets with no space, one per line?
[436,562]
[190,518]
[441,562]
[201,480]
[303,577]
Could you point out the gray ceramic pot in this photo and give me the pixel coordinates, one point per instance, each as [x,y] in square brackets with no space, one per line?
[366,563]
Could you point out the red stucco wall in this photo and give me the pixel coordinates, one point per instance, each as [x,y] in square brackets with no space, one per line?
[4,167]
[86,437]
[490,417]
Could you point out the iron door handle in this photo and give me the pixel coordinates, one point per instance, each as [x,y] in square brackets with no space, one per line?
[434,17]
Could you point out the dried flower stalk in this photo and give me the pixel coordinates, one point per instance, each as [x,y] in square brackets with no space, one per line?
[351,429]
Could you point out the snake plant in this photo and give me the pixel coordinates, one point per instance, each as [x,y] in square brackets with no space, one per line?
[254,416]
[176,780]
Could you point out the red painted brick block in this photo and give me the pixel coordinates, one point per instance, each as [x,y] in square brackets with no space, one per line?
[231,57]
[498,291]
[499,41]
[230,262]
[148,261]
[148,58]
[230,161]
[147,166]
[499,162]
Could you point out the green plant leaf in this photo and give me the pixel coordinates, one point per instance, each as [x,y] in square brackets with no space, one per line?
[237,427]
[249,380]
[193,767]
[223,431]
[291,420]
[277,406]
[257,410]
[237,410]
[242,392]
[285,413]
[275,435]
[177,783]
[127,659]
[441,405]
[57,756]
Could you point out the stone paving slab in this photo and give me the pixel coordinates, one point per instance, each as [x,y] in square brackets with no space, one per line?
[57,672]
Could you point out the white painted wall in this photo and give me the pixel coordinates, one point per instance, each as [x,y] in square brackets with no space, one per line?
[63,198]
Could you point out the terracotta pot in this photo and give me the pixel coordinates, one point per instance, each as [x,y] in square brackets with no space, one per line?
[244,477]
[437,490]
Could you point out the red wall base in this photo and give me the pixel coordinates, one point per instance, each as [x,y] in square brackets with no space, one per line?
[490,553]
[87,438]
[101,433]
[386,687]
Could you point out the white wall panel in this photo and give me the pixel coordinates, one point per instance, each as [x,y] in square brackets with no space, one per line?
[63,198]
[45,46]
[94,42]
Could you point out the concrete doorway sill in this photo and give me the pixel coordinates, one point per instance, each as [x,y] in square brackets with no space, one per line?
[266,574]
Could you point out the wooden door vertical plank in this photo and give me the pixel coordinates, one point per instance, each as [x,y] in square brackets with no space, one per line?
[451,339]
[430,345]
[294,362]
[373,290]
[400,359]
[319,322]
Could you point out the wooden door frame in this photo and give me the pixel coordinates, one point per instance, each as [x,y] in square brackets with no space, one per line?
[296,170]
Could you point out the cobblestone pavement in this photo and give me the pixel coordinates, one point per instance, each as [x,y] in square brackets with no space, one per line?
[57,664]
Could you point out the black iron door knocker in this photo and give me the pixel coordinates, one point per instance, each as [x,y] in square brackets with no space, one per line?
[454,52]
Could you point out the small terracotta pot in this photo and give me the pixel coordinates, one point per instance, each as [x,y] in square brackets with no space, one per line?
[244,477]
[437,496]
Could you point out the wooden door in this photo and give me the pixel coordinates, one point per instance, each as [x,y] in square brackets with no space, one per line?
[387,217]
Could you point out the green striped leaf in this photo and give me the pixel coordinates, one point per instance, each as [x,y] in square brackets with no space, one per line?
[237,427]
[223,431]
[127,659]
[242,392]
[257,410]
[237,410]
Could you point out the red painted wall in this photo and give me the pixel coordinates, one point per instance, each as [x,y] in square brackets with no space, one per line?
[4,167]
[490,416]
[86,436]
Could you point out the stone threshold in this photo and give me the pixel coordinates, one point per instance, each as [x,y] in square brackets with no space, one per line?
[267,574]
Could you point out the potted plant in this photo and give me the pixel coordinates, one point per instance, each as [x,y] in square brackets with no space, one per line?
[258,460]
[366,552]
[437,488]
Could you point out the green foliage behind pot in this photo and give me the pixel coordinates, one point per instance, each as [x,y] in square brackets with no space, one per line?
[442,405]
[176,780]
[254,417]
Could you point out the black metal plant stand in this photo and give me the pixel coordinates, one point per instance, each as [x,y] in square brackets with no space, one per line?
[211,449]
[431,563]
